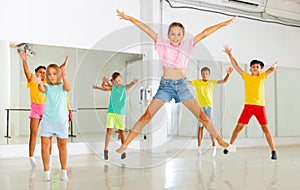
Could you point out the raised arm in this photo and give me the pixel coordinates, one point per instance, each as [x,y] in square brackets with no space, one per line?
[67,86]
[28,74]
[138,23]
[63,65]
[227,50]
[206,32]
[41,87]
[128,86]
[228,71]
[105,86]
[272,68]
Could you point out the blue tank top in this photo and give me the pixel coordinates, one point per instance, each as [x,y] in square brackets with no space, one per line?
[117,101]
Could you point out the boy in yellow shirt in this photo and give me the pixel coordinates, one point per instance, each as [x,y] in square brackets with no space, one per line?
[204,92]
[254,98]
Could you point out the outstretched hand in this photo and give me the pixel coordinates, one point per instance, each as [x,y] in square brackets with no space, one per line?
[63,72]
[230,20]
[274,65]
[66,60]
[105,79]
[95,87]
[122,15]
[38,79]
[135,81]
[62,66]
[229,70]
[23,55]
[227,49]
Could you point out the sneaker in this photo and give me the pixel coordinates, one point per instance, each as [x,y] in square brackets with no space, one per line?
[123,155]
[50,162]
[105,154]
[47,176]
[214,151]
[64,175]
[231,148]
[115,157]
[32,162]
[199,151]
[274,155]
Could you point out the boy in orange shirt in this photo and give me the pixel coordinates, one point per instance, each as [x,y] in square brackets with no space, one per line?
[254,98]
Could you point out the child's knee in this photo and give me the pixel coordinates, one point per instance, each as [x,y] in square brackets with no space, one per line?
[202,117]
[265,128]
[146,117]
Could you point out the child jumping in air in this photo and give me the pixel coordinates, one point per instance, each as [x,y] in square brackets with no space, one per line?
[116,109]
[205,93]
[254,98]
[174,54]
[55,118]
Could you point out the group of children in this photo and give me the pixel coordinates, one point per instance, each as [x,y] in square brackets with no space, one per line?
[49,87]
[174,54]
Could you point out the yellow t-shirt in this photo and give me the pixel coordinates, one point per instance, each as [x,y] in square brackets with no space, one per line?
[254,89]
[205,92]
[68,103]
[36,96]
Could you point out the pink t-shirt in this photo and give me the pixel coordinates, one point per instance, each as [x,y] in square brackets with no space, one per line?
[172,56]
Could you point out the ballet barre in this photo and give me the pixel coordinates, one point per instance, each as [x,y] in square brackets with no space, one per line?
[7,118]
[21,109]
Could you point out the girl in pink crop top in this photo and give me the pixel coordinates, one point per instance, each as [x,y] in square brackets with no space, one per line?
[174,54]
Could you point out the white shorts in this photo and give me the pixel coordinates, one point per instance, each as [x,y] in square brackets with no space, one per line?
[54,129]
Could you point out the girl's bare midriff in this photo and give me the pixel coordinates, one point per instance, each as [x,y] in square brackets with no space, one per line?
[173,73]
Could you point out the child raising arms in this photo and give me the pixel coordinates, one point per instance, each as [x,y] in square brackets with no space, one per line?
[117,107]
[205,93]
[174,55]
[254,98]
[55,118]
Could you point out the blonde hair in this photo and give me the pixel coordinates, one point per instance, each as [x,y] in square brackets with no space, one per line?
[58,74]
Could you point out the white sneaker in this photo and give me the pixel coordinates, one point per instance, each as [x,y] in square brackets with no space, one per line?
[231,148]
[64,175]
[47,176]
[50,162]
[214,151]
[116,158]
[199,151]
[32,162]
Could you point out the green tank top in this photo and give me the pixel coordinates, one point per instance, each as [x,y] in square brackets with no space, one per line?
[117,101]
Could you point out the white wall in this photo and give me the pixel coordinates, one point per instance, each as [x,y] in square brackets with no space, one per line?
[5,83]
[249,39]
[79,23]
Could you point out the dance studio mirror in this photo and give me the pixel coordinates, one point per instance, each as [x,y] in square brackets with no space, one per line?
[87,67]
[84,69]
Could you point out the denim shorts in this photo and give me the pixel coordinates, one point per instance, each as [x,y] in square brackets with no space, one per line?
[209,112]
[54,129]
[176,89]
